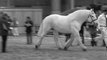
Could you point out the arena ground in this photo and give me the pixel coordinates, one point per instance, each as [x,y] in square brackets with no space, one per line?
[17,49]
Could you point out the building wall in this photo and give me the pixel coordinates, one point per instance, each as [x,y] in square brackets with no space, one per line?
[83,2]
[21,14]
[3,2]
[45,5]
[65,5]
[29,3]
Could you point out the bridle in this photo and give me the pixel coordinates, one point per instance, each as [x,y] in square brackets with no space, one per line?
[90,16]
[93,20]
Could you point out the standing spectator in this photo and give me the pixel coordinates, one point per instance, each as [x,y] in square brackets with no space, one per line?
[29,25]
[4,28]
[10,22]
[15,27]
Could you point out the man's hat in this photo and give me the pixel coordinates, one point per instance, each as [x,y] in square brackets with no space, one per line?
[96,7]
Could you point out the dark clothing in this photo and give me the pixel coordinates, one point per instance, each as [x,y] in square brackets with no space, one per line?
[4,42]
[67,37]
[29,25]
[104,44]
[93,42]
[29,38]
[92,29]
[82,28]
[82,32]
[4,27]
[93,32]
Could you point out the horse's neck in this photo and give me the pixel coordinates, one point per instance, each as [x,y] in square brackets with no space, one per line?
[79,16]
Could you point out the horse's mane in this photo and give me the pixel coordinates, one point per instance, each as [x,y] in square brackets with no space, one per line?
[70,11]
[80,11]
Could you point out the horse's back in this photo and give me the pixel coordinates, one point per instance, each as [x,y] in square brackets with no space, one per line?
[57,22]
[55,18]
[73,15]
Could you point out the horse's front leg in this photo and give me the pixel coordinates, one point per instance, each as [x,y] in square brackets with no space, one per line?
[80,42]
[41,36]
[40,41]
[56,35]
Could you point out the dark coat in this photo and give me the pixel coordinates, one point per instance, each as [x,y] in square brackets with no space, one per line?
[92,29]
[28,27]
[4,26]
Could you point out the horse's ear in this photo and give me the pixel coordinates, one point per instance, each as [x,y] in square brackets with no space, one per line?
[91,9]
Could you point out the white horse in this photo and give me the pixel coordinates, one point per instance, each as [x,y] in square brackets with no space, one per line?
[65,24]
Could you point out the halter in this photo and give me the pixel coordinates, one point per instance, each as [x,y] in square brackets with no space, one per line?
[91,18]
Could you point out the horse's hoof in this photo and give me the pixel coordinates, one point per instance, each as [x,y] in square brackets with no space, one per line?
[36,47]
[84,49]
[59,48]
[65,48]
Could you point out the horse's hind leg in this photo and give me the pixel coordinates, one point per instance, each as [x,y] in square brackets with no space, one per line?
[45,29]
[69,42]
[75,34]
[56,35]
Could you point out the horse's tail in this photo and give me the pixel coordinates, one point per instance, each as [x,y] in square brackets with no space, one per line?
[44,27]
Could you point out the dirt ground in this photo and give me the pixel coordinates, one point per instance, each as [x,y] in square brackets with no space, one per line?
[17,49]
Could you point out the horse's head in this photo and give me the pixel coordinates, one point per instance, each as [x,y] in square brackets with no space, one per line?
[92,16]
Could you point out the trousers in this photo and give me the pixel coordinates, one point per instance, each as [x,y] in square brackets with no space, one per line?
[104,34]
[4,42]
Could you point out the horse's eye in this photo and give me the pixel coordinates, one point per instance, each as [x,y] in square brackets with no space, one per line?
[92,16]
